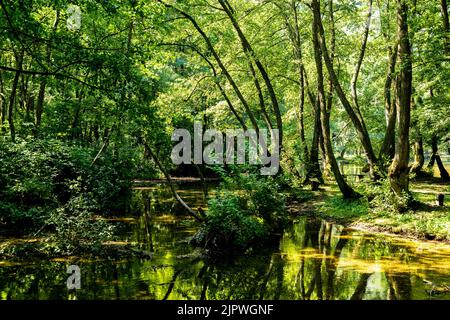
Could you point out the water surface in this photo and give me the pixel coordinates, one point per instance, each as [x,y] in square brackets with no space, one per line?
[314,259]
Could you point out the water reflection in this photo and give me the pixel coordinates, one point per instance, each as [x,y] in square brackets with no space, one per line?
[314,260]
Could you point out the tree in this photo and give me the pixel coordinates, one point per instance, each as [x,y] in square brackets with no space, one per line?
[399,170]
[346,190]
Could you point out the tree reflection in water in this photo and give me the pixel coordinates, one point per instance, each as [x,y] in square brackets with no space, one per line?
[314,259]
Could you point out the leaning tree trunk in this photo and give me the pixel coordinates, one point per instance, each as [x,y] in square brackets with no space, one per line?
[313,167]
[252,57]
[355,117]
[2,103]
[220,63]
[346,190]
[171,183]
[399,170]
[354,81]
[311,158]
[330,93]
[436,158]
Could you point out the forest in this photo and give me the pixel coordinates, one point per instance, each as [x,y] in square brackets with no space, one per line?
[351,97]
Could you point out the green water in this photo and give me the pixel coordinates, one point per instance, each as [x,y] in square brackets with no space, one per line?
[313,260]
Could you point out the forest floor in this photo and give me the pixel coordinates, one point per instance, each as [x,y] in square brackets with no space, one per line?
[426,221]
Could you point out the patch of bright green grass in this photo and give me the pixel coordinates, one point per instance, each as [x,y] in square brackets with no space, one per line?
[340,209]
[433,223]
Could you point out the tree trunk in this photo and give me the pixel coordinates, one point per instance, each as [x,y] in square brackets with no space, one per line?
[311,159]
[262,103]
[301,116]
[317,141]
[444,12]
[76,119]
[355,117]
[294,36]
[29,102]
[442,171]
[40,105]
[419,158]
[346,190]
[359,64]
[312,164]
[434,150]
[361,287]
[221,89]
[12,97]
[325,162]
[251,56]
[399,170]
[3,107]
[43,84]
[446,24]
[387,151]
[436,158]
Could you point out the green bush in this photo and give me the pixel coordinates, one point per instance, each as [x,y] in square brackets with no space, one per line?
[230,223]
[382,198]
[76,228]
[246,211]
[51,184]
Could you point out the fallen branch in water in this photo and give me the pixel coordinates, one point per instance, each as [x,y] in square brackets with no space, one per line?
[171,184]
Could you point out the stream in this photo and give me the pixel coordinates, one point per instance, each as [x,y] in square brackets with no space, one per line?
[314,259]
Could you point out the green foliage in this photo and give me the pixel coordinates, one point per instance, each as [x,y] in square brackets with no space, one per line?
[262,194]
[135,70]
[342,209]
[382,198]
[247,210]
[230,222]
[76,227]
[47,183]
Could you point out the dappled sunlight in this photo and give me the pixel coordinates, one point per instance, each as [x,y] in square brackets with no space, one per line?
[347,263]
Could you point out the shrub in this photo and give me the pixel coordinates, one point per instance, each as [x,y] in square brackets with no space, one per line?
[52,184]
[246,211]
[382,198]
[76,229]
[229,223]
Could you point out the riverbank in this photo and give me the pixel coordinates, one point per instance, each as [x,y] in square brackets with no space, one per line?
[350,264]
[426,221]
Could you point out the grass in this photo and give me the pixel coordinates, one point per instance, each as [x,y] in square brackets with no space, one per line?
[344,210]
[433,224]
[425,221]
